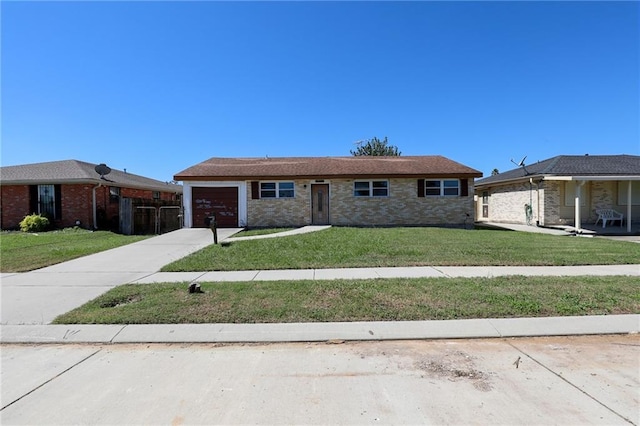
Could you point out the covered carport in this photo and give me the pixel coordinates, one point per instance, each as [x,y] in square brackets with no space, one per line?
[629,183]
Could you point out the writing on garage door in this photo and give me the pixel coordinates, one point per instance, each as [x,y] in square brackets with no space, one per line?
[223,201]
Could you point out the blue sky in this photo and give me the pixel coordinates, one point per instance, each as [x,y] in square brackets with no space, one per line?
[156,87]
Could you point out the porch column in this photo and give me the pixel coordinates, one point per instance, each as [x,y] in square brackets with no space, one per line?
[629,202]
[578,222]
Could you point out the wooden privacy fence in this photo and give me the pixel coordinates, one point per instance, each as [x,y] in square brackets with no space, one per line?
[143,218]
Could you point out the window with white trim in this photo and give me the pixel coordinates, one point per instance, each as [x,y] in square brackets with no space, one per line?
[277,190]
[441,187]
[371,188]
[114,194]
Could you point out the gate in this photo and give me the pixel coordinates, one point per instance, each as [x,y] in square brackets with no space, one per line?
[142,217]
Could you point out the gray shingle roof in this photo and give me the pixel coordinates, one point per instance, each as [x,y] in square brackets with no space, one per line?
[573,165]
[74,171]
[325,167]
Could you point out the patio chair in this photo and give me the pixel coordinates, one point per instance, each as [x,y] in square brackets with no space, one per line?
[608,215]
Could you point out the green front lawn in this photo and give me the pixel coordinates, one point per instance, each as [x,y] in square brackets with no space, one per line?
[21,251]
[361,300]
[374,247]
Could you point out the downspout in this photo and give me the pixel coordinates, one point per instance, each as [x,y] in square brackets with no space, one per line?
[95,207]
[531,198]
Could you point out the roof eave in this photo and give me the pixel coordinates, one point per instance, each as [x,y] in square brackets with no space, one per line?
[50,181]
[201,178]
[511,180]
[175,189]
[564,178]
[594,177]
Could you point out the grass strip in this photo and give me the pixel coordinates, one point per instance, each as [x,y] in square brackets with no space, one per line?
[339,247]
[361,300]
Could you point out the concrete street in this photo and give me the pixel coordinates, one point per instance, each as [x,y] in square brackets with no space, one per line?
[546,380]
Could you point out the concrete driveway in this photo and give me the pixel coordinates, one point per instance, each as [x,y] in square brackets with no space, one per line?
[37,297]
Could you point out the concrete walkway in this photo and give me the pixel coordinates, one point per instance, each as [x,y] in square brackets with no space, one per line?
[297,231]
[30,301]
[589,230]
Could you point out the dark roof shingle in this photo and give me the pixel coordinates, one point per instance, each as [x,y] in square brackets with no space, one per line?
[573,165]
[74,171]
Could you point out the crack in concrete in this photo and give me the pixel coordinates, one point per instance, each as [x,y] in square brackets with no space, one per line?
[51,379]
[117,334]
[564,379]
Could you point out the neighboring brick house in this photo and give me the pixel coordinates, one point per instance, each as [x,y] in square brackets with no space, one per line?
[72,192]
[347,191]
[563,190]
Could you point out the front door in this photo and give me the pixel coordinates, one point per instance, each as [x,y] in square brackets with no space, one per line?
[320,204]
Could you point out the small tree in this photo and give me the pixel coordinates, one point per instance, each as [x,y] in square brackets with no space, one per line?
[494,172]
[375,147]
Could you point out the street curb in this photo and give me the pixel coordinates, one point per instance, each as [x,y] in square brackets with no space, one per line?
[319,332]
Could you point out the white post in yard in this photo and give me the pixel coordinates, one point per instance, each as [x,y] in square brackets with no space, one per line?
[629,208]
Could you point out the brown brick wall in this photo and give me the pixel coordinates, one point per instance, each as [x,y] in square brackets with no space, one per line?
[401,207]
[274,212]
[76,204]
[14,203]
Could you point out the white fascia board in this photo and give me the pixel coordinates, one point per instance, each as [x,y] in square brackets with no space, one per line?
[601,178]
[502,182]
[559,178]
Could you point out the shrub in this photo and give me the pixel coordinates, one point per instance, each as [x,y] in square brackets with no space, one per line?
[34,223]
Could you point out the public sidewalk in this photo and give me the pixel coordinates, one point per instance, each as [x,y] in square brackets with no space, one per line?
[30,301]
[398,272]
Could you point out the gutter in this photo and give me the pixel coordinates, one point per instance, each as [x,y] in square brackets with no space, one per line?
[591,178]
[560,178]
[528,178]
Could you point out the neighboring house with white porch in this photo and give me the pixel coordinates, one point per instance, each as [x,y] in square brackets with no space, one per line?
[563,190]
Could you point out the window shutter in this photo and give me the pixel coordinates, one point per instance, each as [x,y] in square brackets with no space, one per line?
[255,190]
[420,187]
[33,199]
[57,190]
[464,187]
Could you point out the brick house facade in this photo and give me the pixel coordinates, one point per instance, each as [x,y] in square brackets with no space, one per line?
[343,191]
[75,194]
[551,187]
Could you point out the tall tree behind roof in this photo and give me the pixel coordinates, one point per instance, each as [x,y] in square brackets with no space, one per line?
[375,147]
